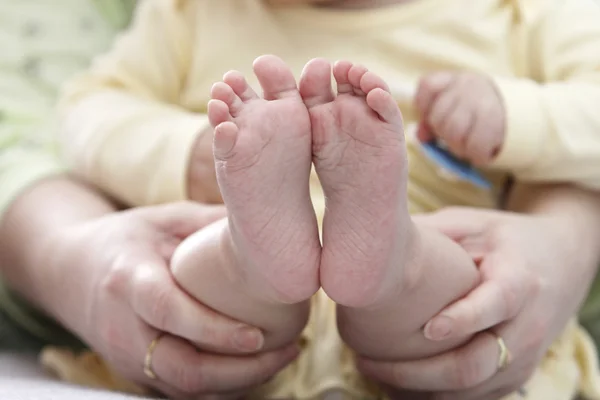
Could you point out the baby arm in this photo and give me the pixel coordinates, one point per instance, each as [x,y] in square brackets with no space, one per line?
[122,127]
[543,128]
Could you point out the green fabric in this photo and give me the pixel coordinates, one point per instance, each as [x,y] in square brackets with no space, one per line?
[589,316]
[14,338]
[22,167]
[25,328]
[44,44]
[116,12]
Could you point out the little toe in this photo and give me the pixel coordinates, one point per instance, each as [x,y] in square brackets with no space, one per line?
[315,83]
[225,137]
[385,106]
[370,81]
[340,73]
[275,77]
[218,112]
[240,86]
[355,76]
[224,92]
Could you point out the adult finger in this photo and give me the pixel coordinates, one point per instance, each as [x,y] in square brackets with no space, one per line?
[175,394]
[493,389]
[222,396]
[180,370]
[225,396]
[493,302]
[429,88]
[467,395]
[460,369]
[457,222]
[512,380]
[176,363]
[183,218]
[156,298]
[130,362]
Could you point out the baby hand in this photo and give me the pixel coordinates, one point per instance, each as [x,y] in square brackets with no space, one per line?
[201,182]
[465,110]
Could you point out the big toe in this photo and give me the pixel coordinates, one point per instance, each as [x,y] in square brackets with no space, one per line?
[275,77]
[315,83]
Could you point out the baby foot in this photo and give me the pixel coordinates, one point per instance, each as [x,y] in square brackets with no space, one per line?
[360,157]
[262,150]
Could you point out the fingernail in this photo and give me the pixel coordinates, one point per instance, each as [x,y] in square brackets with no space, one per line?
[438,328]
[248,339]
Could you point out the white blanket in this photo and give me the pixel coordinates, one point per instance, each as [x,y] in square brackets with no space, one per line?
[21,378]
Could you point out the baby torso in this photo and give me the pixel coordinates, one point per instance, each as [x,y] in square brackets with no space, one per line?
[400,43]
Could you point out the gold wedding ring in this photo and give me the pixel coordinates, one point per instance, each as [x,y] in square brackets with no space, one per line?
[148,371]
[504,354]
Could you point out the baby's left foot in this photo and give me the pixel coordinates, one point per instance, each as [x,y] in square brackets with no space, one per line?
[359,154]
[263,159]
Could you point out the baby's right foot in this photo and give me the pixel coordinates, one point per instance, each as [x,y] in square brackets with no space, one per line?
[262,150]
[360,156]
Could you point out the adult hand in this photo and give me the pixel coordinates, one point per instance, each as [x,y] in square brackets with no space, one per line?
[465,110]
[117,293]
[535,272]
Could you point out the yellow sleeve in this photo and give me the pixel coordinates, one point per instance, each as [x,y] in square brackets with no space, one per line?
[553,119]
[122,127]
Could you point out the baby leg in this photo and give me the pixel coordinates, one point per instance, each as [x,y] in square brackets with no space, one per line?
[261,264]
[387,274]
[436,272]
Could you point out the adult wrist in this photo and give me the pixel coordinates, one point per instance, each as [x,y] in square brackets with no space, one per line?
[575,211]
[30,239]
[56,293]
[580,212]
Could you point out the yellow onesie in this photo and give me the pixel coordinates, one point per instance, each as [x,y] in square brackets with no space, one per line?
[130,122]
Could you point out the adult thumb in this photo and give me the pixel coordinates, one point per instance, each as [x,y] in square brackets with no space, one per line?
[457,223]
[183,218]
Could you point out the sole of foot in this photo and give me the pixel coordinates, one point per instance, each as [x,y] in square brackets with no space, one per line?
[360,156]
[262,150]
